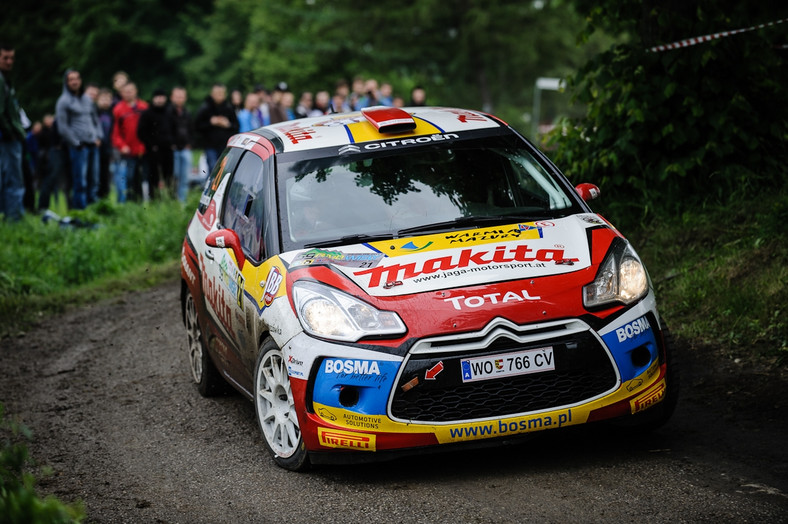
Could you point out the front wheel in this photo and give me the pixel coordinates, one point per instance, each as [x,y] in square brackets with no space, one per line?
[275,409]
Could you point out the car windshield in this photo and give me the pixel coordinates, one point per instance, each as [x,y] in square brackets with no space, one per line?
[460,185]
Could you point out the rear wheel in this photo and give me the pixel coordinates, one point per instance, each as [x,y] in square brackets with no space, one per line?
[204,374]
[275,409]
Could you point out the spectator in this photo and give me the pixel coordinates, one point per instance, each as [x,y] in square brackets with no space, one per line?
[104,110]
[385,94]
[119,79]
[215,123]
[92,90]
[155,132]
[371,95]
[304,106]
[50,162]
[287,104]
[237,100]
[398,101]
[79,127]
[276,109]
[265,103]
[12,136]
[356,93]
[250,117]
[182,139]
[322,104]
[124,138]
[418,97]
[339,102]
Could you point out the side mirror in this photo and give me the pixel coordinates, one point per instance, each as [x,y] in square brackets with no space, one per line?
[587,191]
[227,238]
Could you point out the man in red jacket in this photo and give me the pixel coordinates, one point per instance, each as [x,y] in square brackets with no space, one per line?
[124,138]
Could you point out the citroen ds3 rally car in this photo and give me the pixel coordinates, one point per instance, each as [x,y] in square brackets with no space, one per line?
[399,280]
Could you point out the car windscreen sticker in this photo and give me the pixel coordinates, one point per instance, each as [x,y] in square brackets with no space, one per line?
[488,235]
[326,257]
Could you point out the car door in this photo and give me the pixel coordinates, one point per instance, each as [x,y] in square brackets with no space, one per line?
[235,270]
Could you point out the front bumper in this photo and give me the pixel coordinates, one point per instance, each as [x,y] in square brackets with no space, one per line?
[353,399]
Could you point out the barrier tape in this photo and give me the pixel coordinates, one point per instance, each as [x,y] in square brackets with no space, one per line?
[707,38]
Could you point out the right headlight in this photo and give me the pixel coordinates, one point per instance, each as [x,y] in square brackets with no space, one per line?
[621,278]
[330,313]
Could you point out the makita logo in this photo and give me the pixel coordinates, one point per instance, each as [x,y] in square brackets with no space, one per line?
[633,329]
[465,258]
[352,367]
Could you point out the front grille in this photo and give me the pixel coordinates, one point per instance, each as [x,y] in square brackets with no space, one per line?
[583,370]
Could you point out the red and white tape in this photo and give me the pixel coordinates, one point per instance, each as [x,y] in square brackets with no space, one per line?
[707,38]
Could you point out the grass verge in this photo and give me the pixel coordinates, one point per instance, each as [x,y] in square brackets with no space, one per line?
[721,276]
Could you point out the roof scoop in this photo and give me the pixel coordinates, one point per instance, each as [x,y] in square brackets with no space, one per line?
[389,119]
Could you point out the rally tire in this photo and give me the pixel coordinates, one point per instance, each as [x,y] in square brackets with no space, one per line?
[203,372]
[275,409]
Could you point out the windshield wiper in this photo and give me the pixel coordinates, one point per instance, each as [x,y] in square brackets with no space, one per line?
[356,238]
[475,221]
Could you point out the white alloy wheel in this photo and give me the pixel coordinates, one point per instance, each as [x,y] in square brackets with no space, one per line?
[194,340]
[275,408]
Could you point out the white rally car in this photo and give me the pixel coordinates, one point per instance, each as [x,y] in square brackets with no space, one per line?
[397,280]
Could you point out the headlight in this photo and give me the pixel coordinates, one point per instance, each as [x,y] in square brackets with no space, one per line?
[621,278]
[329,313]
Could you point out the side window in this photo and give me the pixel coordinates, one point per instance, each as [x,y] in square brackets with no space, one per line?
[223,167]
[244,205]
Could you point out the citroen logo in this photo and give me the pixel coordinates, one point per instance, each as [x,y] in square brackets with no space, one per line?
[350,148]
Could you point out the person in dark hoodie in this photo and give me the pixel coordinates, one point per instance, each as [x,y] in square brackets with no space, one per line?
[215,122]
[78,125]
[155,131]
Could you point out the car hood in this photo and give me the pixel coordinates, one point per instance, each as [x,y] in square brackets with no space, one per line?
[460,258]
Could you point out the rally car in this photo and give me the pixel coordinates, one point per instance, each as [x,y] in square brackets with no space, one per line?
[394,281]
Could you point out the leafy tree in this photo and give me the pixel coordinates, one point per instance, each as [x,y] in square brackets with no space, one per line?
[667,130]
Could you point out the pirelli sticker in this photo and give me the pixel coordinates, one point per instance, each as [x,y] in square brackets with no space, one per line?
[334,438]
[649,398]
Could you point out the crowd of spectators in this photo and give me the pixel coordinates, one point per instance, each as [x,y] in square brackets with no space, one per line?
[98,137]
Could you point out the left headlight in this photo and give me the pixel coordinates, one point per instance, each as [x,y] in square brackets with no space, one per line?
[329,313]
[621,278]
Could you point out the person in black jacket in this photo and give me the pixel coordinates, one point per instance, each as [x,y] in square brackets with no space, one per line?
[215,123]
[155,131]
[182,140]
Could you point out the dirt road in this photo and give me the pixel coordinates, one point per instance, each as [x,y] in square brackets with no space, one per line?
[107,393]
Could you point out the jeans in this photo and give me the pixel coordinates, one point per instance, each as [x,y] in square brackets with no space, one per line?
[12,183]
[182,167]
[84,160]
[125,167]
[211,157]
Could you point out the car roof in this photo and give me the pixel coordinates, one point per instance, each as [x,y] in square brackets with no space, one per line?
[373,124]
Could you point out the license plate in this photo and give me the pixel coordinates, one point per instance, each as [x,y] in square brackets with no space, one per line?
[507,364]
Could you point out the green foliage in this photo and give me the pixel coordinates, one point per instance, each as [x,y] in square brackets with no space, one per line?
[668,131]
[41,264]
[19,501]
[721,275]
